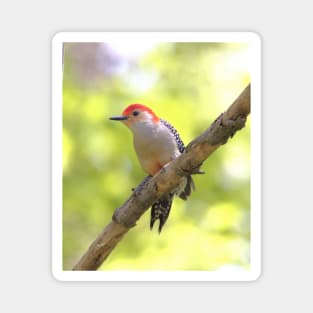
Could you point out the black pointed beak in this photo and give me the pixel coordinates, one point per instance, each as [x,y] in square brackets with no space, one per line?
[118,118]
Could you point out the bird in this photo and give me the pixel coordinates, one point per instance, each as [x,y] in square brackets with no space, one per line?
[156,143]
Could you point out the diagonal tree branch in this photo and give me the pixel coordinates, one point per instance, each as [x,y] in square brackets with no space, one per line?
[151,188]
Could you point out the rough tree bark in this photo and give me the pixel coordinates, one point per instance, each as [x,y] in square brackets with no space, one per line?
[151,188]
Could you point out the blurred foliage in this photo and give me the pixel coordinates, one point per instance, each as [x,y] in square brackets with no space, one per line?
[189,84]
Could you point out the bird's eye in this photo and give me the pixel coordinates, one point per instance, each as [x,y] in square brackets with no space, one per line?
[135,113]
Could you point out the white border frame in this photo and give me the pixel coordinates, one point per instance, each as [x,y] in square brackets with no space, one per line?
[57,75]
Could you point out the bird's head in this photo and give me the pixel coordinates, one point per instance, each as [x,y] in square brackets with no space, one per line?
[136,114]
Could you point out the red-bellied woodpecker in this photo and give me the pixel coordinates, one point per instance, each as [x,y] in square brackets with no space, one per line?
[156,143]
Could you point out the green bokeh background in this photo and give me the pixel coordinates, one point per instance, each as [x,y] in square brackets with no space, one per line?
[188,84]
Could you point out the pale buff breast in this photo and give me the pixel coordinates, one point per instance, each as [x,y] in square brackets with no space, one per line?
[154,145]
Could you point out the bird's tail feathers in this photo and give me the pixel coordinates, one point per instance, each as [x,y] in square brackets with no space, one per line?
[160,210]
